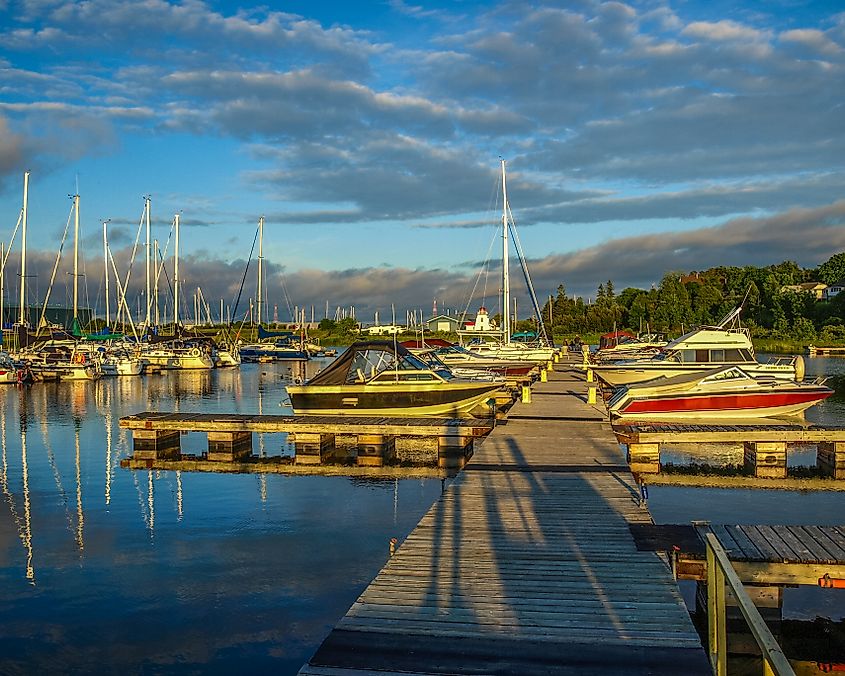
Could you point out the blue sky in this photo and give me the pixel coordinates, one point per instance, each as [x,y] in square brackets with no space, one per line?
[640,137]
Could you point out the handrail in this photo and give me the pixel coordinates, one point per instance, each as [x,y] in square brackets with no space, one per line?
[721,572]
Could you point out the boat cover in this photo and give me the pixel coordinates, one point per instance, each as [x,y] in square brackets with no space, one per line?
[366,355]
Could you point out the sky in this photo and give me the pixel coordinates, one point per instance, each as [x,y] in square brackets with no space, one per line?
[639,138]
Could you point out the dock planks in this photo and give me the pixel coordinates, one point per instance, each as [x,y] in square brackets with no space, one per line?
[340,424]
[525,565]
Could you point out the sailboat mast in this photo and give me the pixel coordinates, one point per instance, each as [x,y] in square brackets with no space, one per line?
[176,273]
[260,266]
[147,245]
[106,267]
[506,293]
[23,248]
[75,258]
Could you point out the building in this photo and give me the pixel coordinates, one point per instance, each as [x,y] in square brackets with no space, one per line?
[386,330]
[834,289]
[817,289]
[443,323]
[482,322]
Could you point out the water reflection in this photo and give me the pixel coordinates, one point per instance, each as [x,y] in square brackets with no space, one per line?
[130,578]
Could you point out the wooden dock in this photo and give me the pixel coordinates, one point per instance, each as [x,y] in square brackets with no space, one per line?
[765,443]
[526,565]
[377,441]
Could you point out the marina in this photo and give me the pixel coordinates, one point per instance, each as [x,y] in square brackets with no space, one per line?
[566,515]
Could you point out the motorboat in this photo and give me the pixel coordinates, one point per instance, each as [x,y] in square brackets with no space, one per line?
[432,359]
[386,379]
[61,362]
[512,351]
[620,345]
[177,355]
[457,356]
[728,392]
[700,351]
[277,350]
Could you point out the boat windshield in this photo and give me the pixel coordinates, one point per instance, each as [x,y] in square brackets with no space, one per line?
[369,363]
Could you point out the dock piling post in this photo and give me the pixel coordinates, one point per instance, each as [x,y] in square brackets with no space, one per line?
[591,393]
[453,451]
[544,377]
[374,449]
[766,458]
[228,446]
[830,458]
[149,444]
[644,458]
[526,394]
[313,448]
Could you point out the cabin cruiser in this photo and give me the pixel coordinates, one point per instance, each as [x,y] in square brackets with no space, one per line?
[457,356]
[383,378]
[177,355]
[722,393]
[699,351]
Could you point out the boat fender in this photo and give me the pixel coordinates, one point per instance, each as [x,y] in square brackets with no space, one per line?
[194,352]
[799,368]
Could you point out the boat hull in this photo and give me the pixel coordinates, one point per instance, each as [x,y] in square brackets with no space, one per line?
[721,406]
[454,400]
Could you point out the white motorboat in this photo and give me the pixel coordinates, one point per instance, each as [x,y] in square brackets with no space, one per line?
[699,351]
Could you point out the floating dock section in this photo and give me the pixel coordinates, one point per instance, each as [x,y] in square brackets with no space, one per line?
[526,564]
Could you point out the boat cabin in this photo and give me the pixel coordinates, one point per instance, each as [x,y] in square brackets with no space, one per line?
[377,361]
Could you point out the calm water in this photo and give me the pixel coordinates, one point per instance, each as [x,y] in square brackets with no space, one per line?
[106,569]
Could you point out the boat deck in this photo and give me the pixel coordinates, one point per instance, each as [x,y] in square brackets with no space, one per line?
[526,564]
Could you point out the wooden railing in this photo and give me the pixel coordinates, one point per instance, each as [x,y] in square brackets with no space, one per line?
[720,572]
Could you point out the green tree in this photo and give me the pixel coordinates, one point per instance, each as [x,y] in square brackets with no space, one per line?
[833,270]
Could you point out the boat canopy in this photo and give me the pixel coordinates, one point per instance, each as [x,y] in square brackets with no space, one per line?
[264,333]
[365,359]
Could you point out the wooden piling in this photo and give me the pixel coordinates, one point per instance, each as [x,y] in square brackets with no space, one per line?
[312,448]
[766,458]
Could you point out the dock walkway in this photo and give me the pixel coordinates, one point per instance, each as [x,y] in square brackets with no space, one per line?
[526,564]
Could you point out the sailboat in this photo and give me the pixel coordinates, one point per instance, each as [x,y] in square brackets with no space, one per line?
[63,358]
[507,348]
[271,345]
[174,353]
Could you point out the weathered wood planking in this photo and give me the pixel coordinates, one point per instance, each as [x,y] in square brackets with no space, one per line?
[781,544]
[658,433]
[525,565]
[211,422]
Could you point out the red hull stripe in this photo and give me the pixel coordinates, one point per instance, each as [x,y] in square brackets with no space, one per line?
[738,402]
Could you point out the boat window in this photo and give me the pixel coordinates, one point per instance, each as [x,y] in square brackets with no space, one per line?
[728,374]
[745,355]
[407,376]
[687,356]
[702,356]
[717,355]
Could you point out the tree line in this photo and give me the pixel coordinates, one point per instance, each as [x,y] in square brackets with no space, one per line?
[685,299]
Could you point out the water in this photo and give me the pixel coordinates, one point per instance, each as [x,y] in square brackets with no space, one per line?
[670,504]
[107,569]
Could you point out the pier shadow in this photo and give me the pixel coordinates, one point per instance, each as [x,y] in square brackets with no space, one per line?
[525,565]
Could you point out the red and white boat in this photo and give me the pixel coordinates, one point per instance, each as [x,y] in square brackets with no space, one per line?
[723,393]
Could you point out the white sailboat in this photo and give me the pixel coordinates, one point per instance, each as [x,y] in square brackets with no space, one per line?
[175,354]
[505,347]
[63,359]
